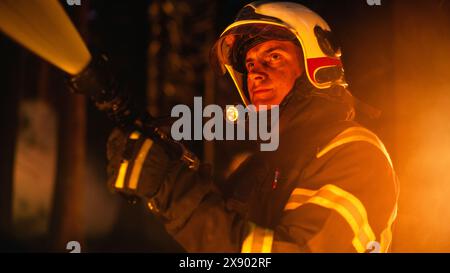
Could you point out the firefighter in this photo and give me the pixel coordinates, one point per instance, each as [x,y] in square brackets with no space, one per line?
[329,187]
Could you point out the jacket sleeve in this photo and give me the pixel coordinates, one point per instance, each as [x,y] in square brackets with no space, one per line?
[345,203]
[186,200]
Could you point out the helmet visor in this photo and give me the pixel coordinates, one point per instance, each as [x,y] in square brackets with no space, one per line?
[232,46]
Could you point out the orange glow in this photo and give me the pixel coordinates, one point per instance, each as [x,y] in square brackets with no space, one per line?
[422,129]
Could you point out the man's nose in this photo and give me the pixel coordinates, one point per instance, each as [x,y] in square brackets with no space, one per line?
[257,72]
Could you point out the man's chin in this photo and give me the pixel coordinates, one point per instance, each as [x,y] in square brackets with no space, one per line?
[263,103]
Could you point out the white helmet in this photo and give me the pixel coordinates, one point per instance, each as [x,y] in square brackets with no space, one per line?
[262,21]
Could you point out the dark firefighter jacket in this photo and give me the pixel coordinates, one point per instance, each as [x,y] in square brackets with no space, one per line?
[329,187]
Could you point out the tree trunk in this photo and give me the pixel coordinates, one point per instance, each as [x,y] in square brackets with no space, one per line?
[68,201]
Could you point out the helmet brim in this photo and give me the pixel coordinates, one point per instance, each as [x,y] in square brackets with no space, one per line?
[231,47]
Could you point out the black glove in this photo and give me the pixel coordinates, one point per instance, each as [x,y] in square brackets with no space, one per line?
[137,165]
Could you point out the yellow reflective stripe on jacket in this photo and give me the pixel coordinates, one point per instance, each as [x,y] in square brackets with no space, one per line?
[138,162]
[135,135]
[386,234]
[343,202]
[354,134]
[258,240]
[120,180]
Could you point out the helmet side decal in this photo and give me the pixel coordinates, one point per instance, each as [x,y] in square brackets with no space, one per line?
[315,64]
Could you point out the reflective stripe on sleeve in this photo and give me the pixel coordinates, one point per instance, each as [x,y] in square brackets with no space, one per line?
[138,162]
[344,203]
[120,180]
[258,240]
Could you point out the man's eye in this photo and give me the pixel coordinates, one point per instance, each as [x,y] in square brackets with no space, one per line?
[250,66]
[275,57]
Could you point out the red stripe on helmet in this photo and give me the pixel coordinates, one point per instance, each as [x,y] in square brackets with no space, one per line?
[316,63]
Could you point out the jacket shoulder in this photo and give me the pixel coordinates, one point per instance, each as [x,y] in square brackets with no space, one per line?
[350,177]
[354,146]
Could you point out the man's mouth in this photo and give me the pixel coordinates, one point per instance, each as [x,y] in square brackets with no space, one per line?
[261,91]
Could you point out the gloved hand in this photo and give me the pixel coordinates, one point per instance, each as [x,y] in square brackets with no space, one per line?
[137,165]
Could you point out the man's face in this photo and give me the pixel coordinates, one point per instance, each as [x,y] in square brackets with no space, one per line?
[272,67]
